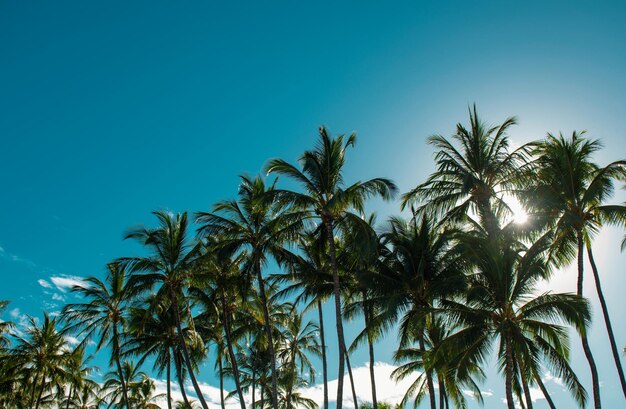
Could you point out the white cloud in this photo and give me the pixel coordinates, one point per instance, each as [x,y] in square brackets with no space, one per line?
[58,297]
[66,282]
[550,378]
[71,340]
[44,283]
[15,312]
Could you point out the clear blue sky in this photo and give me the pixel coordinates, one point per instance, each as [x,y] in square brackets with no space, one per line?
[109,110]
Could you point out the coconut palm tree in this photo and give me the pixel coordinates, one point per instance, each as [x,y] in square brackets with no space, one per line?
[140,388]
[417,272]
[219,300]
[257,223]
[78,376]
[308,277]
[5,327]
[153,328]
[102,314]
[298,341]
[327,198]
[475,170]
[42,355]
[499,306]
[570,193]
[170,266]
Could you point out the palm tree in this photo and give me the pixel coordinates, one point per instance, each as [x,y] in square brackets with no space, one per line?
[140,387]
[219,300]
[325,197]
[255,222]
[78,376]
[42,355]
[171,267]
[308,276]
[153,329]
[418,271]
[472,177]
[5,327]
[570,192]
[500,306]
[102,314]
[298,341]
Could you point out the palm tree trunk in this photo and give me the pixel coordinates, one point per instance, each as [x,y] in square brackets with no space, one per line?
[183,344]
[179,376]
[222,400]
[529,401]
[592,363]
[544,391]
[509,373]
[441,395]
[324,364]
[169,380]
[40,393]
[69,397]
[429,374]
[116,353]
[366,315]
[607,320]
[268,331]
[253,387]
[32,395]
[231,353]
[356,404]
[338,316]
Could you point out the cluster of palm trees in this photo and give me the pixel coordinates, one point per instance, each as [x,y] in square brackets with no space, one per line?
[456,279]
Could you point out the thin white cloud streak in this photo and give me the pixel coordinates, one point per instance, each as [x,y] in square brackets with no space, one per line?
[66,282]
[44,283]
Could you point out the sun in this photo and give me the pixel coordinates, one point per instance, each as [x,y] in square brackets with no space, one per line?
[519,215]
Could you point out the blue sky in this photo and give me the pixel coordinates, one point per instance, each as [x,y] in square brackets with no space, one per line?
[110,110]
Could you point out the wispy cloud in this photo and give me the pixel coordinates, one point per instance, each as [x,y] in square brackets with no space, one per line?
[65,282]
[44,283]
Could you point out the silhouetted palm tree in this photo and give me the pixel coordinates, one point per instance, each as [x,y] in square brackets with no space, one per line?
[258,223]
[170,266]
[569,193]
[326,198]
[102,314]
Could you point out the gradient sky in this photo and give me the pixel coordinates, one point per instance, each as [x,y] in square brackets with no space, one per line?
[109,110]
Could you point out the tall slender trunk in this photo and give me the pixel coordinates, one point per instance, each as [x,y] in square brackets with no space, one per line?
[268,331]
[263,395]
[529,401]
[32,394]
[183,344]
[441,395]
[324,364]
[179,376]
[116,353]
[354,398]
[69,397]
[544,391]
[43,383]
[367,317]
[253,387]
[429,373]
[338,315]
[509,372]
[231,353]
[169,379]
[583,338]
[607,320]
[222,400]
